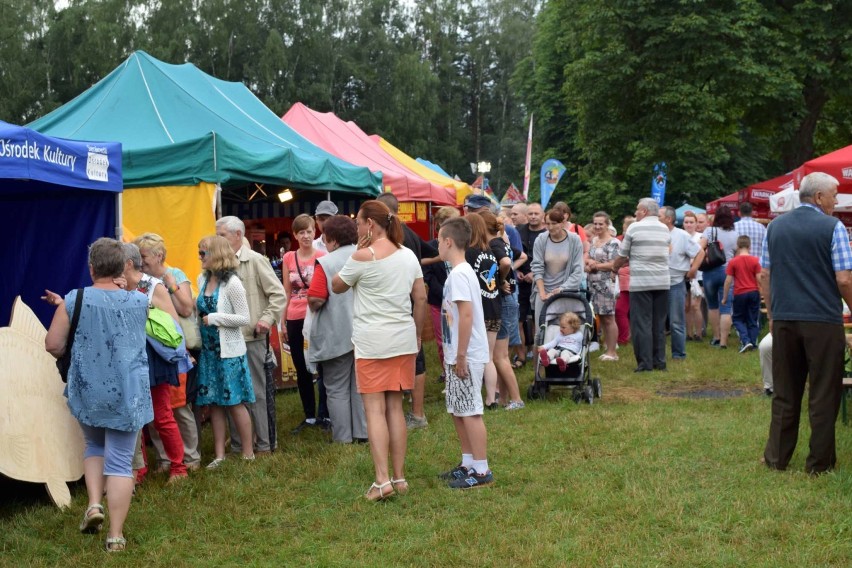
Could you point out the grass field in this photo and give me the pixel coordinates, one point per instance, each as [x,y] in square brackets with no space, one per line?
[640,478]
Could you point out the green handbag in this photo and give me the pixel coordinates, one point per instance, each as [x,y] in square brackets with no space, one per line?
[162,327]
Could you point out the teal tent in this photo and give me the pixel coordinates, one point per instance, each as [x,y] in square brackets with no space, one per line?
[179,126]
[683,209]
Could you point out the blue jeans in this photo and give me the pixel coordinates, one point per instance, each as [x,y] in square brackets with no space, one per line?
[745,318]
[677,319]
[509,321]
[714,287]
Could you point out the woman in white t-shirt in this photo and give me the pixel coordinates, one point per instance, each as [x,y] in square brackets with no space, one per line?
[387,282]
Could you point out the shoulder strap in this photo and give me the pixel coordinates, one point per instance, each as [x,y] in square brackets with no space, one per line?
[75,318]
[299,270]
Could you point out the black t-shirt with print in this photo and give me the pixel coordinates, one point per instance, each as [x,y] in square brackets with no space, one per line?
[485,267]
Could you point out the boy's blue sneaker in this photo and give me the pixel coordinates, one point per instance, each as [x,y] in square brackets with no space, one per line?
[457,472]
[472,480]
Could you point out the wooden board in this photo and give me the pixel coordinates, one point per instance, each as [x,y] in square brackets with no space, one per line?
[40,441]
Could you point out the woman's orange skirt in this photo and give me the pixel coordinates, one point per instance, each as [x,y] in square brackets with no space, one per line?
[381,375]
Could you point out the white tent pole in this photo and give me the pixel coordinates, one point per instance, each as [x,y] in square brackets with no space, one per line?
[328,195]
[119,218]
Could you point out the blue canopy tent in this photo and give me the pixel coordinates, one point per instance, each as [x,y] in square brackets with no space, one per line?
[434,167]
[57,196]
[683,209]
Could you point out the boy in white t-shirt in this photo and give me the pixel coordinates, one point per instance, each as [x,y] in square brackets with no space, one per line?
[465,356]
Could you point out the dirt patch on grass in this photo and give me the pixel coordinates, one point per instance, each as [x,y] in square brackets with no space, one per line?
[708,392]
[626,394]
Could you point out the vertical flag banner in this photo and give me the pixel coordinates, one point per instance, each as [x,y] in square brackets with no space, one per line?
[551,173]
[658,183]
[527,162]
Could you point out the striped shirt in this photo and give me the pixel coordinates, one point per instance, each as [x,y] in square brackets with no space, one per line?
[646,243]
[754,231]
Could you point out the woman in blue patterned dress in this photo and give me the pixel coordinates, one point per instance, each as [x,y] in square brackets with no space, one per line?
[602,253]
[108,391]
[224,380]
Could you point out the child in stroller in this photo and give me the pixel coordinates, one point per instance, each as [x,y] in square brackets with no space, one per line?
[564,348]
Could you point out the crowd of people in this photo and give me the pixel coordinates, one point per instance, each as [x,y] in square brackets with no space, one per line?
[357,298]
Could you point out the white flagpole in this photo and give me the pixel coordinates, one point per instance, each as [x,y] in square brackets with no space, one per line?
[527,163]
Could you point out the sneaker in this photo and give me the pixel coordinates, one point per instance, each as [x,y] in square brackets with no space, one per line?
[413,422]
[714,342]
[746,347]
[768,392]
[458,472]
[515,405]
[324,424]
[472,480]
[215,463]
[594,346]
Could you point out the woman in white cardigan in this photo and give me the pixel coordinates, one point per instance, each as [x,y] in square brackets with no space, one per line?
[224,380]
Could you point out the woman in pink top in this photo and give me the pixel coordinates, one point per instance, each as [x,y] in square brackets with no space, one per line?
[622,303]
[297,269]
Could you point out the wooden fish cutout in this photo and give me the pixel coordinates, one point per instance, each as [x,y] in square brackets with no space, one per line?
[40,442]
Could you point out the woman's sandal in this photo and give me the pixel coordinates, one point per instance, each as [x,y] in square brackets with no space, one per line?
[115,544]
[376,492]
[400,485]
[93,519]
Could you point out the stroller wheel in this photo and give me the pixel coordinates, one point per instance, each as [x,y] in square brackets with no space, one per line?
[596,387]
[589,394]
[534,392]
[577,395]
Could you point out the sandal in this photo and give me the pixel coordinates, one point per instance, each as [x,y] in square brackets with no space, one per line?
[115,544]
[400,485]
[382,495]
[93,519]
[518,364]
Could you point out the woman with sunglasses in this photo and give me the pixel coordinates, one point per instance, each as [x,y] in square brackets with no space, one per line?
[224,380]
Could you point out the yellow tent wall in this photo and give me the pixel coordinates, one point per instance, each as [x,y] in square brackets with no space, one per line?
[462,189]
[182,215]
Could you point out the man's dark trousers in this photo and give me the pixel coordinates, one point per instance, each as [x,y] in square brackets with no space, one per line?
[805,351]
[648,311]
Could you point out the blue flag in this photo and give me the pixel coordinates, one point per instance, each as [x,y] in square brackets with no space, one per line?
[658,183]
[551,173]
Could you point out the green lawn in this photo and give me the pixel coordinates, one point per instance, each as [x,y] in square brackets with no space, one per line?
[637,479]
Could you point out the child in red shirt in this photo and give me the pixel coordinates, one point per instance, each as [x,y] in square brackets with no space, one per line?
[742,271]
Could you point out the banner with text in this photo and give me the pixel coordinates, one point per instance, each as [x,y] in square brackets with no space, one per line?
[27,154]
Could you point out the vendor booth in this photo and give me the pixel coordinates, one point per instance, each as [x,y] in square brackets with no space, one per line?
[679,212]
[416,194]
[732,201]
[187,136]
[58,196]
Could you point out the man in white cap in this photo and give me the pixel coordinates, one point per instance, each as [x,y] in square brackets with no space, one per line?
[324,210]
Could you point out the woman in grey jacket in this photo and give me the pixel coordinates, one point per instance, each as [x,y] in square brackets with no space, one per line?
[557,263]
[330,343]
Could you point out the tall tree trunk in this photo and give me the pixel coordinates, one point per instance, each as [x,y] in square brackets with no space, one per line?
[800,148]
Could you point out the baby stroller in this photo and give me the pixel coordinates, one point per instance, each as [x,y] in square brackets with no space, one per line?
[577,375]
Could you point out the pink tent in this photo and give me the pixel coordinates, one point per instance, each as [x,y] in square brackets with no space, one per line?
[348,142]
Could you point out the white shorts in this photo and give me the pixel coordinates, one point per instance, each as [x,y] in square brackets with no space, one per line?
[464,396]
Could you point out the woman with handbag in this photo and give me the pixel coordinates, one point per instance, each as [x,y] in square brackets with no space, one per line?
[108,390]
[153,251]
[722,236]
[297,269]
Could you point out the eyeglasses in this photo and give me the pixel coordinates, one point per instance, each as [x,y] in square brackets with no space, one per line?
[202,253]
